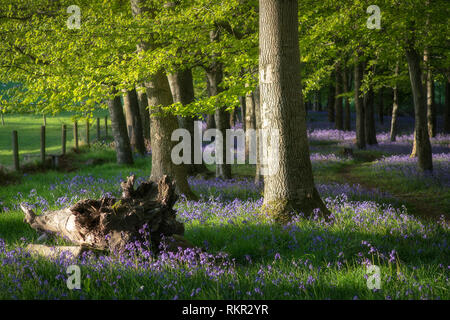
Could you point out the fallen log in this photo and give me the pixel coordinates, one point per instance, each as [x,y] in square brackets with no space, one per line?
[109,224]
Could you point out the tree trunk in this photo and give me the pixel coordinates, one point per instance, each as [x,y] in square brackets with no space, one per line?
[371,135]
[359,107]
[221,117]
[214,75]
[182,87]
[289,184]
[338,100]
[162,124]
[331,102]
[447,107]
[242,107]
[422,139]
[381,106]
[393,133]
[145,114]
[347,113]
[250,121]
[119,131]
[431,108]
[232,118]
[319,100]
[259,177]
[134,121]
[110,224]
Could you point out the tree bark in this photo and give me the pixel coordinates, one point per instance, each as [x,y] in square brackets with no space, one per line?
[347,113]
[259,177]
[331,102]
[289,187]
[422,139]
[250,121]
[134,120]
[393,133]
[338,108]
[242,107]
[447,107]
[381,106]
[359,107]
[182,87]
[431,107]
[371,135]
[119,131]
[109,224]
[145,114]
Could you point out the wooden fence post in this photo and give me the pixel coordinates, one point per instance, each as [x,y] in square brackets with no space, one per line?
[43,145]
[44,118]
[75,134]
[106,126]
[15,146]
[63,139]
[87,133]
[98,129]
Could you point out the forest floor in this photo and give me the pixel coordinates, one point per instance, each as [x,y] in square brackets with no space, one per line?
[386,213]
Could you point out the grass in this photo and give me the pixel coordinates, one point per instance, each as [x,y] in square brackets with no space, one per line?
[249,257]
[28,128]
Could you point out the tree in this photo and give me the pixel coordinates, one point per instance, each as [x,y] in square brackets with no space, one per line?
[359,106]
[162,123]
[182,87]
[393,132]
[134,120]
[291,186]
[338,108]
[119,131]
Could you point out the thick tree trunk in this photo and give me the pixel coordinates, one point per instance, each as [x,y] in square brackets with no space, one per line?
[359,107]
[259,177]
[289,184]
[447,107]
[250,121]
[119,131]
[422,139]
[162,124]
[371,135]
[134,121]
[347,113]
[393,133]
[108,224]
[182,87]
[145,114]
[331,102]
[338,108]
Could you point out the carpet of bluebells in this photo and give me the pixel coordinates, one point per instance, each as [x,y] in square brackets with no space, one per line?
[241,253]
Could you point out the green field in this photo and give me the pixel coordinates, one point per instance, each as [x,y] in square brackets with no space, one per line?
[29,127]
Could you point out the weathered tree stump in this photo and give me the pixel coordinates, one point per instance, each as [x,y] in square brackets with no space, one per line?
[109,224]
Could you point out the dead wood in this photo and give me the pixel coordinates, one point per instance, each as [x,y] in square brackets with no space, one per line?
[109,223]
